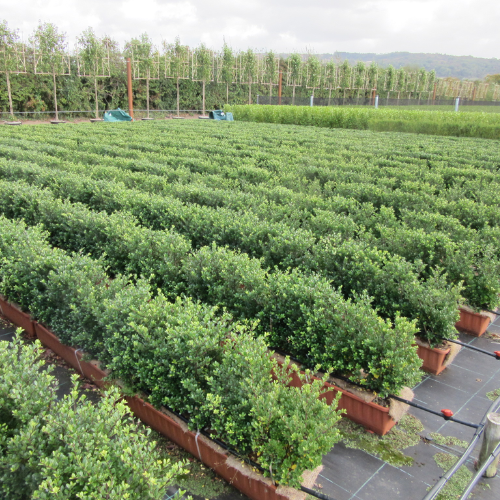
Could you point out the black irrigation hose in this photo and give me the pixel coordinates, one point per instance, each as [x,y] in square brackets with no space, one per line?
[446,477]
[316,494]
[495,354]
[493,312]
[438,413]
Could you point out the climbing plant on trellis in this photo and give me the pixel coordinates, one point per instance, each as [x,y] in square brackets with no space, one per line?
[12,57]
[248,70]
[313,73]
[390,80]
[177,64]
[227,68]
[294,67]
[270,69]
[93,60]
[50,55]
[202,67]
[145,59]
[345,76]
[330,78]
[359,77]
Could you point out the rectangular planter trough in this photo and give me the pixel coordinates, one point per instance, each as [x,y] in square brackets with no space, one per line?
[72,356]
[370,415]
[14,314]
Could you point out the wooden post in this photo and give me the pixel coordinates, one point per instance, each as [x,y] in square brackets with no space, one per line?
[280,87]
[473,94]
[434,93]
[491,439]
[129,82]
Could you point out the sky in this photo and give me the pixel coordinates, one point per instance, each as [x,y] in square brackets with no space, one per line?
[454,27]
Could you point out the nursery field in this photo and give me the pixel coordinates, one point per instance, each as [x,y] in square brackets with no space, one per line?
[151,244]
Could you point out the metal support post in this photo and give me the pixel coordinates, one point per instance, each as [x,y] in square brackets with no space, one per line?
[312,101]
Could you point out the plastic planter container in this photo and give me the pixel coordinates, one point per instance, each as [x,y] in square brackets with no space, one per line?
[433,358]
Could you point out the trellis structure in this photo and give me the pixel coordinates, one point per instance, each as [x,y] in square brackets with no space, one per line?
[93,60]
[177,64]
[12,58]
[50,55]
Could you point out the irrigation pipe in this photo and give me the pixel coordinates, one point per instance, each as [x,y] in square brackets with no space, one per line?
[447,476]
[495,354]
[446,414]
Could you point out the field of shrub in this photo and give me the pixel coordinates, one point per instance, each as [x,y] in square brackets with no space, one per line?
[178,252]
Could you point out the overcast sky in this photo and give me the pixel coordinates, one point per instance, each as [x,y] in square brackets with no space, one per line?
[456,27]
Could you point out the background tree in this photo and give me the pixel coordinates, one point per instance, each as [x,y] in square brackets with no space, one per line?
[145,61]
[49,54]
[176,58]
[12,57]
[93,60]
[203,69]
[294,73]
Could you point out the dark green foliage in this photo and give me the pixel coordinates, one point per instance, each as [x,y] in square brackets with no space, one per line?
[184,354]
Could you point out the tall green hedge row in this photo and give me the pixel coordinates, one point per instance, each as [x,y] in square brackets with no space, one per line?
[483,125]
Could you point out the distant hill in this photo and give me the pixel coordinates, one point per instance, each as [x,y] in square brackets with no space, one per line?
[457,66]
